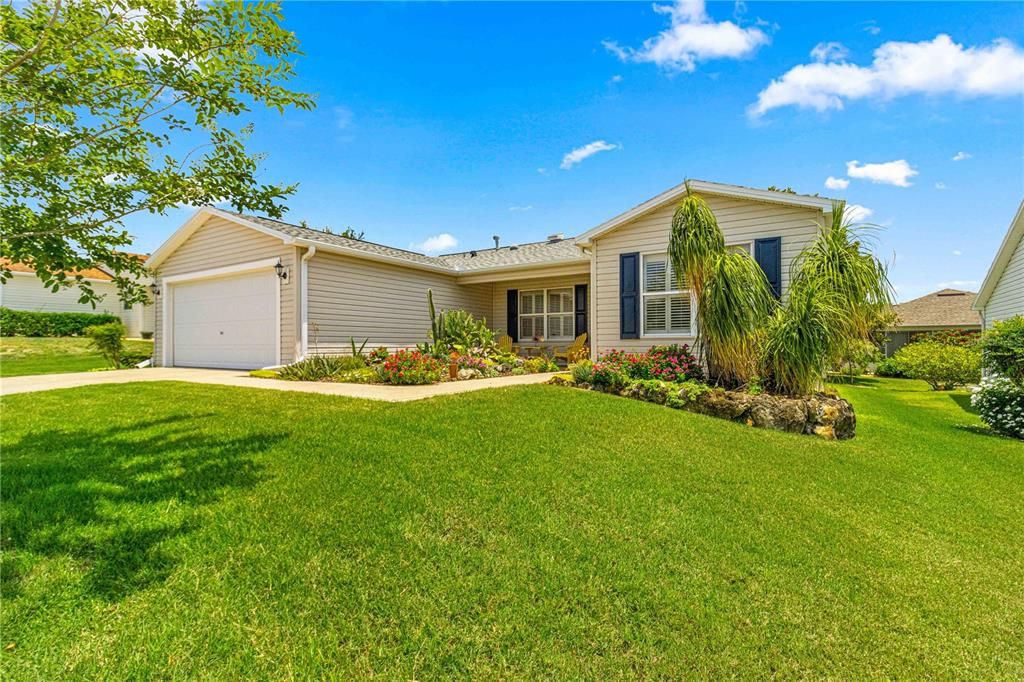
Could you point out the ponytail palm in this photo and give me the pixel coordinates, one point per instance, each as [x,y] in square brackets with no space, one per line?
[733,297]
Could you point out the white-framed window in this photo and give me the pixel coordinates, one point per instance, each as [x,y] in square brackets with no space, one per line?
[741,247]
[666,309]
[546,315]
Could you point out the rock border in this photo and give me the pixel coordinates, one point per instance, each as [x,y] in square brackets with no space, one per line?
[821,415]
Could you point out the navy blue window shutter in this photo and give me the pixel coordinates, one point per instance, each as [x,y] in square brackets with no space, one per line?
[581,309]
[768,254]
[629,296]
[512,322]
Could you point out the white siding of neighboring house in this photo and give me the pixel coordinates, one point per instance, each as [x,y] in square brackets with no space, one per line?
[498,318]
[741,220]
[382,303]
[24,291]
[1007,299]
[219,243]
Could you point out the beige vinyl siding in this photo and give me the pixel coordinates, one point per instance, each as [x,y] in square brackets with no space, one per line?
[741,220]
[385,304]
[1007,297]
[219,243]
[498,319]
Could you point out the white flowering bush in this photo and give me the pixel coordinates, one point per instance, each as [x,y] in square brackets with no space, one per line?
[1000,403]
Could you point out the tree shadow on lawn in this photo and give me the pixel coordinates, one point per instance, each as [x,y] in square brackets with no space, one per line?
[963,401]
[111,498]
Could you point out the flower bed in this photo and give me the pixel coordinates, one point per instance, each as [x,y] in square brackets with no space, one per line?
[638,376]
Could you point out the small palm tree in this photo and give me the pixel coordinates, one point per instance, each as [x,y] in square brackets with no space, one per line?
[733,296]
[839,290]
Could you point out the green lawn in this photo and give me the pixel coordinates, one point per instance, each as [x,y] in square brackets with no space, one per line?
[186,531]
[21,355]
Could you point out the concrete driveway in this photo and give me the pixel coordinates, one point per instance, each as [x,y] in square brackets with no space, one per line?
[230,377]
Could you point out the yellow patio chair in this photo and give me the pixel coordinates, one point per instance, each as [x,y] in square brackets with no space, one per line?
[505,344]
[575,351]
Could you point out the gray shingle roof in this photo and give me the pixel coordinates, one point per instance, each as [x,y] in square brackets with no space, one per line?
[507,256]
[536,253]
[945,308]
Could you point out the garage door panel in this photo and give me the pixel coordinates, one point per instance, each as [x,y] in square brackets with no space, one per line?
[229,322]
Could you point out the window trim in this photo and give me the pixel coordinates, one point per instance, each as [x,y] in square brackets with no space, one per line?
[570,313]
[644,295]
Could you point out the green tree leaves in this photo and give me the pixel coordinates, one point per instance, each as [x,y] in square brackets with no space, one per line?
[115,107]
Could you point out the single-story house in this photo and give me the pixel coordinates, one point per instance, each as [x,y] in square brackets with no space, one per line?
[25,291]
[945,310]
[1002,293]
[241,291]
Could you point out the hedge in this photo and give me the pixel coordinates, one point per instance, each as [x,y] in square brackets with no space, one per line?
[31,323]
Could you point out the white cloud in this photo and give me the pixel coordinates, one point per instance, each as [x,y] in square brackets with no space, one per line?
[872,28]
[542,171]
[958,252]
[521,208]
[829,52]
[342,117]
[617,78]
[586,151]
[437,243]
[940,185]
[836,183]
[889,173]
[692,37]
[931,67]
[959,284]
[961,156]
[856,213]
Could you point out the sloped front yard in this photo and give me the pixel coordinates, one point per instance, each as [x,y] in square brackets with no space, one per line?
[23,355]
[178,530]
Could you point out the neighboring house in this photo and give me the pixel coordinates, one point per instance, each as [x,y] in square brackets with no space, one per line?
[242,291]
[1002,293]
[945,310]
[25,291]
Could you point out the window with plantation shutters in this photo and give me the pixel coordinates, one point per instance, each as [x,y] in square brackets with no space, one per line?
[667,309]
[546,315]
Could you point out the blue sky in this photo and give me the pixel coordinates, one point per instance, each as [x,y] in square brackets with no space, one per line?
[456,119]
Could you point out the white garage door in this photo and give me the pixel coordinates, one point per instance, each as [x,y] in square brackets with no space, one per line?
[229,322]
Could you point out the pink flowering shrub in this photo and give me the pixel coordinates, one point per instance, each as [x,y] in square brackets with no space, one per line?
[666,363]
[410,367]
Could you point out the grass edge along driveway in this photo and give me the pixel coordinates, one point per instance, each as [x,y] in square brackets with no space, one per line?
[179,530]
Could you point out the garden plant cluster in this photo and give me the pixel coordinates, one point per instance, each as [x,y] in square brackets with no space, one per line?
[1000,398]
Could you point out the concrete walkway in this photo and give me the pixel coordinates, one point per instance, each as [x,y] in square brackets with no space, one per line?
[229,377]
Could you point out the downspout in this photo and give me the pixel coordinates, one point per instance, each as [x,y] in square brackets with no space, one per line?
[304,294]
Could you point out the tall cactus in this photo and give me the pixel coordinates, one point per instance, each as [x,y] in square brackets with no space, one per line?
[438,330]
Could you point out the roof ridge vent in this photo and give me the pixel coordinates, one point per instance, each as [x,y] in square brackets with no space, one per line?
[556,237]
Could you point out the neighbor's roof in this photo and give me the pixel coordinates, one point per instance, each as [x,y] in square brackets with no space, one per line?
[945,308]
[705,187]
[511,257]
[88,273]
[1003,255]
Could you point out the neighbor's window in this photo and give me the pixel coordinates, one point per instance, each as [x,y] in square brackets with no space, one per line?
[546,314]
[741,247]
[667,309]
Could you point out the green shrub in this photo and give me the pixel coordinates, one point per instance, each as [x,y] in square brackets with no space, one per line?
[688,391]
[320,367]
[379,355]
[363,375]
[1000,404]
[264,373]
[950,337]
[943,367]
[108,340]
[31,323]
[411,367]
[466,334]
[582,371]
[1002,348]
[890,367]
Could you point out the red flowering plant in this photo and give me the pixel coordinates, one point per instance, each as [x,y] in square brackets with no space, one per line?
[667,363]
[410,367]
